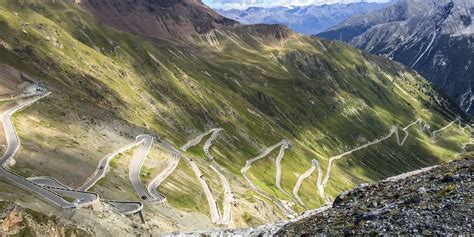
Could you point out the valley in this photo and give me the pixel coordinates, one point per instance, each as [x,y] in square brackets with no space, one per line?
[310,19]
[223,218]
[225,126]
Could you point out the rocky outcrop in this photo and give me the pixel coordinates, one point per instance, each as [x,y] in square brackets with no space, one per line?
[19,221]
[436,202]
[266,34]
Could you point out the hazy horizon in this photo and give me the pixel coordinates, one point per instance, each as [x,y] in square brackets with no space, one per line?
[244,4]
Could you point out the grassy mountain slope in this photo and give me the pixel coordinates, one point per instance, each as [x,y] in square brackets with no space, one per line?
[259,83]
[432,37]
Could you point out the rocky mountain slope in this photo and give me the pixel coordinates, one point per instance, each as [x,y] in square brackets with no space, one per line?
[432,37]
[285,104]
[309,20]
[18,221]
[435,202]
[161,18]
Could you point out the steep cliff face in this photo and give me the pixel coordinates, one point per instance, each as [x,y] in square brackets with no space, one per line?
[433,37]
[157,18]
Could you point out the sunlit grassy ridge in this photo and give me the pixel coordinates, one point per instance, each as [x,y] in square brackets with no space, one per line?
[326,97]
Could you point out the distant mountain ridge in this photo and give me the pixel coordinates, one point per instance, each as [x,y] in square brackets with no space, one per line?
[310,19]
[157,18]
[433,37]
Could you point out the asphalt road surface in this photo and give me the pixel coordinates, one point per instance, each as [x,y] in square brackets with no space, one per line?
[103,166]
[226,216]
[136,165]
[13,145]
[287,211]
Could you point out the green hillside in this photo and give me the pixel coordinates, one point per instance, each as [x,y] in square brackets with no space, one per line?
[261,84]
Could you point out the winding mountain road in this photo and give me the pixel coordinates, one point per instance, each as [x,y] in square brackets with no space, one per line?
[211,200]
[304,176]
[278,160]
[197,139]
[463,129]
[272,228]
[226,216]
[86,198]
[213,207]
[103,166]
[13,146]
[284,208]
[322,184]
[82,199]
[436,132]
[53,191]
[393,131]
[47,182]
[136,165]
[162,176]
[208,143]
[124,207]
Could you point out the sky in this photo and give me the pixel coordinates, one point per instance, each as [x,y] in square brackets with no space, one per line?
[243,4]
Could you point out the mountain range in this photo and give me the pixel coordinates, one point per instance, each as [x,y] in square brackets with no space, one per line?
[144,117]
[311,19]
[432,37]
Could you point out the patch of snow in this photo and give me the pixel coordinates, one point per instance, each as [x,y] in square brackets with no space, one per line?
[426,50]
[440,60]
[466,100]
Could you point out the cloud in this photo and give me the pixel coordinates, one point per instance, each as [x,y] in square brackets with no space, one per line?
[242,4]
